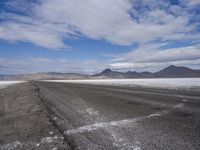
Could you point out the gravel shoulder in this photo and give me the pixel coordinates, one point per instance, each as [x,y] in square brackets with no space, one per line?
[25,122]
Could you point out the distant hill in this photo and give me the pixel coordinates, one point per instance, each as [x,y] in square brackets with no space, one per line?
[168,72]
[108,73]
[177,72]
[45,76]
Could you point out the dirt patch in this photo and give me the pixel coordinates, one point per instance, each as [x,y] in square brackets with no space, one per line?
[24,121]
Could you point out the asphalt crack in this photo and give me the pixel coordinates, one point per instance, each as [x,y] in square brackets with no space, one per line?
[52,119]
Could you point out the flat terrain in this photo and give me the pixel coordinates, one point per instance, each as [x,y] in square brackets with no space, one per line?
[25,122]
[169,83]
[78,116]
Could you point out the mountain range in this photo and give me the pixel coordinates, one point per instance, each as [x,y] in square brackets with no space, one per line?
[168,72]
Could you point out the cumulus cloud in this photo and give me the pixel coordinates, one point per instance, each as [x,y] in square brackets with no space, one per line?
[152,56]
[118,21]
[122,22]
[151,24]
[153,66]
[190,2]
[26,29]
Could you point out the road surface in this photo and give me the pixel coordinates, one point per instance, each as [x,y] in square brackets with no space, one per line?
[44,115]
[107,117]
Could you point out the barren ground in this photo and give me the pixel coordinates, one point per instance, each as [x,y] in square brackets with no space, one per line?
[42,115]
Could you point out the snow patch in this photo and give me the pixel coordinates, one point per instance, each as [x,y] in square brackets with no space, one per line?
[156,82]
[4,84]
[55,118]
[91,111]
[184,100]
[154,115]
[11,146]
[123,122]
[96,126]
[48,140]
[180,105]
[19,145]
[123,143]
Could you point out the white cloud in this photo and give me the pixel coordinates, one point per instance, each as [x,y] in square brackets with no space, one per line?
[111,20]
[151,56]
[26,29]
[116,21]
[48,23]
[191,2]
[147,57]
[154,66]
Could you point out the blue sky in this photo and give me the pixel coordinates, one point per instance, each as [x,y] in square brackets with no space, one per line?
[91,35]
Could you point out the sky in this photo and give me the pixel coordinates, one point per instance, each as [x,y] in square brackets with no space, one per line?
[87,36]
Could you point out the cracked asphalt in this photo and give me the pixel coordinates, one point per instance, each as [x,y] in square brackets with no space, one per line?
[111,117]
[44,115]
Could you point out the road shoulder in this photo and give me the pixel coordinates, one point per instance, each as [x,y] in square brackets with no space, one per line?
[25,122]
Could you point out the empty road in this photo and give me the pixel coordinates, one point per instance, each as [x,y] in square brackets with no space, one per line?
[64,116]
[120,118]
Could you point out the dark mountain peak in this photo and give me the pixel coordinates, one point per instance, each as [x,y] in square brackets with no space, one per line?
[171,71]
[173,68]
[169,68]
[106,71]
[110,74]
[177,71]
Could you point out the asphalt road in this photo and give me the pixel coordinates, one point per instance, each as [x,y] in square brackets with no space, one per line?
[94,117]
[25,123]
